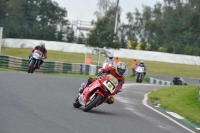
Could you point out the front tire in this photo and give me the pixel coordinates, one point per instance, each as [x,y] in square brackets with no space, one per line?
[31,65]
[93,103]
[138,78]
[76,104]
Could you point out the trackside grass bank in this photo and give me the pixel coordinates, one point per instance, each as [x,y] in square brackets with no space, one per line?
[182,100]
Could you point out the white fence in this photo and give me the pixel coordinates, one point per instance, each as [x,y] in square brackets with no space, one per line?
[121,53]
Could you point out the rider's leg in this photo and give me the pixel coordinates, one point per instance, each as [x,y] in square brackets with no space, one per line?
[83,85]
[110,100]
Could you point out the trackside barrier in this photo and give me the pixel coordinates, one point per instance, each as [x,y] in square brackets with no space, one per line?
[157,81]
[199,92]
[21,64]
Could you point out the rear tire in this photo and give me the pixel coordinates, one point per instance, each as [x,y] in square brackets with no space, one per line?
[76,104]
[93,103]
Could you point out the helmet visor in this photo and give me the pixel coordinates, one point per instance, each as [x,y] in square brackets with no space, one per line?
[120,71]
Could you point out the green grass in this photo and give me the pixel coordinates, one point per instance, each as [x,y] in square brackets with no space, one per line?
[8,70]
[154,68]
[180,99]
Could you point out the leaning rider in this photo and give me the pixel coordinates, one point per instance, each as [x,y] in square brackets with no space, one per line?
[117,72]
[143,65]
[41,48]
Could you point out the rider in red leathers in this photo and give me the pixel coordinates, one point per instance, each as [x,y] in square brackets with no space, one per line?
[117,72]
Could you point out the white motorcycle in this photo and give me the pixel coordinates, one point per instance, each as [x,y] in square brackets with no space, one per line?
[139,74]
[34,61]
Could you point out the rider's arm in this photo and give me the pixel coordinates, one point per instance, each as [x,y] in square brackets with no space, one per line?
[105,70]
[119,87]
[45,54]
[37,47]
[32,50]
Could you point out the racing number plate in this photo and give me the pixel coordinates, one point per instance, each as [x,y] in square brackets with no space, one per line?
[35,54]
[109,85]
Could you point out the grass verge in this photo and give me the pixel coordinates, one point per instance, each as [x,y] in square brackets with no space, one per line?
[182,100]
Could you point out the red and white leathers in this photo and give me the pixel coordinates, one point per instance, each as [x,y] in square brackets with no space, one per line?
[42,49]
[112,70]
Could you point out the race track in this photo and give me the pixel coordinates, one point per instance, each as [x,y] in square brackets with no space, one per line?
[38,103]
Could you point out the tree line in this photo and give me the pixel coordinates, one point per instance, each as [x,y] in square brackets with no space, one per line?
[171,26]
[34,19]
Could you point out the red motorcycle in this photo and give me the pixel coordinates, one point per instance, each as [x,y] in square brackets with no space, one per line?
[97,93]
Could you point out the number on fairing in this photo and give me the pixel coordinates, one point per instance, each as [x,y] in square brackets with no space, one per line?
[35,54]
[140,69]
[109,85]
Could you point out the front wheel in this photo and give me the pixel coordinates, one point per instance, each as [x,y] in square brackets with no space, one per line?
[31,66]
[76,104]
[93,103]
[138,78]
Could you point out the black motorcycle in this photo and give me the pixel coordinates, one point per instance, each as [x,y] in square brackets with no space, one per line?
[179,81]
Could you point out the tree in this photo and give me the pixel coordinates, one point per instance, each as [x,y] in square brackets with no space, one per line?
[33,19]
[3,7]
[69,32]
[103,36]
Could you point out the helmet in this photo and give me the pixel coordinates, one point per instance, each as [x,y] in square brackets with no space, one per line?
[142,62]
[42,44]
[110,56]
[120,68]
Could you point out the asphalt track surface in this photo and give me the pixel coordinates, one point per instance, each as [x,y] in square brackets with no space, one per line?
[38,103]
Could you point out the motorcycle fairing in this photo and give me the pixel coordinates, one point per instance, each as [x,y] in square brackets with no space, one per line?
[92,87]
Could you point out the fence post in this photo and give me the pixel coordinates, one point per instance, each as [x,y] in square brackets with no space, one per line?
[1,35]
[199,92]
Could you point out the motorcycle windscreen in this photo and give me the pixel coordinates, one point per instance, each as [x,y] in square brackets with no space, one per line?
[37,54]
[110,84]
[139,69]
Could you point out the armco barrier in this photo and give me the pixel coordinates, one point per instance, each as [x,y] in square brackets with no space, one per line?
[157,81]
[48,66]
[199,93]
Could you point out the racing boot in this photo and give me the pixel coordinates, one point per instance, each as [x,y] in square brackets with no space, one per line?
[110,100]
[82,87]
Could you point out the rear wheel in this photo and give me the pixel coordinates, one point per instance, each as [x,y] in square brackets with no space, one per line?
[76,104]
[97,99]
